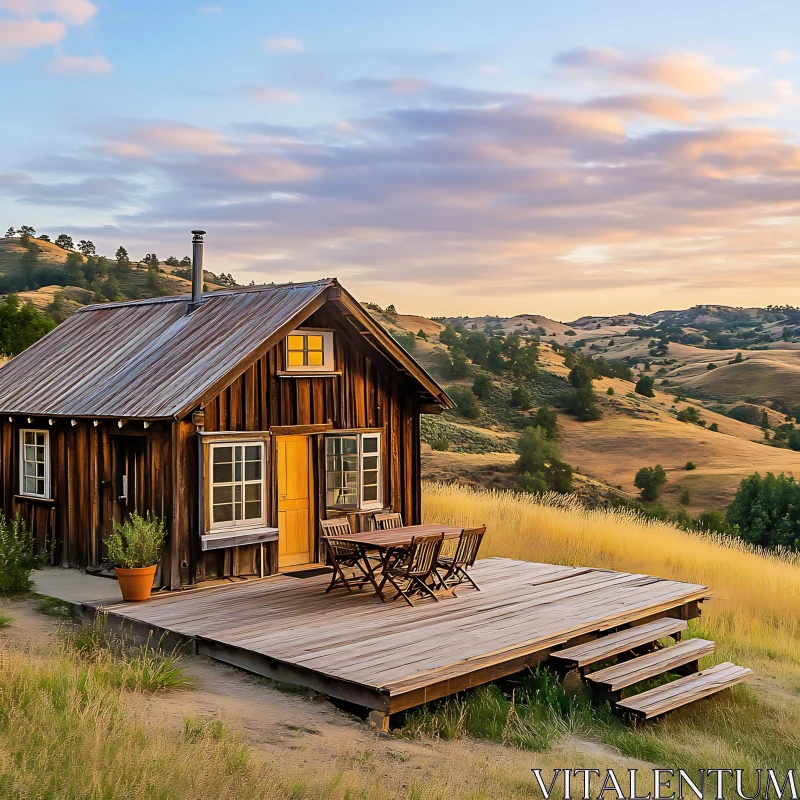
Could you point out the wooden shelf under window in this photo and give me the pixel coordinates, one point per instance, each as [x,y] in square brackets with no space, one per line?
[237,538]
[32,498]
[302,374]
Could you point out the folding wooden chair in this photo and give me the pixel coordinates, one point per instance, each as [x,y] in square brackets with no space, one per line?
[410,577]
[342,554]
[455,567]
[388,520]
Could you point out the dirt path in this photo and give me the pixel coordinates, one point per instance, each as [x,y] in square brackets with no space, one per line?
[311,736]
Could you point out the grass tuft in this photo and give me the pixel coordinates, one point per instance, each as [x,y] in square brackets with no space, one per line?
[5,622]
[53,607]
[145,667]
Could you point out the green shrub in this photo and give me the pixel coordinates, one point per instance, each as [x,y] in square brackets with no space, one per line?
[649,481]
[17,556]
[439,441]
[690,465]
[520,398]
[5,622]
[610,391]
[582,404]
[692,415]
[685,496]
[546,419]
[465,401]
[482,386]
[766,511]
[406,340]
[137,542]
[714,427]
[53,607]
[644,386]
[711,366]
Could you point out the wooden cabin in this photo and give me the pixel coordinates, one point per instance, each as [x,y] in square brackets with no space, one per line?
[240,417]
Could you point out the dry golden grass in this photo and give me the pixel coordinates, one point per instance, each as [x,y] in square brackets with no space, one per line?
[755,613]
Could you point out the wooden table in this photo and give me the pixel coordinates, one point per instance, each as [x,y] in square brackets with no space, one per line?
[387,543]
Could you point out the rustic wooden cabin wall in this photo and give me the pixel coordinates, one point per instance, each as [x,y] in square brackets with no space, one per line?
[86,464]
[369,393]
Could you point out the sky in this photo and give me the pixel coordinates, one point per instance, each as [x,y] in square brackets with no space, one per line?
[465,157]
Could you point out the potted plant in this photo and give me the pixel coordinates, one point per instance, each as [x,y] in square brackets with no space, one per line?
[135,548]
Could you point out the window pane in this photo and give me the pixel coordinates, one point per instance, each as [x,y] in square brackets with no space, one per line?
[252,491]
[223,455]
[252,510]
[29,437]
[315,358]
[252,452]
[40,487]
[30,485]
[315,342]
[40,470]
[30,453]
[370,462]
[29,469]
[40,454]
[369,444]
[295,358]
[222,494]
[370,494]
[295,342]
[252,471]
[223,513]
[223,473]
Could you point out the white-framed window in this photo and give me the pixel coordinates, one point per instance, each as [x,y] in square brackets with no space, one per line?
[34,463]
[309,350]
[237,492]
[353,470]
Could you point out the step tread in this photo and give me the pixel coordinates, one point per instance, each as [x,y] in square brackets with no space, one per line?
[679,693]
[615,643]
[648,666]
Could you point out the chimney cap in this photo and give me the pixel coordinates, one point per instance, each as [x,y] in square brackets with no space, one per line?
[198,233]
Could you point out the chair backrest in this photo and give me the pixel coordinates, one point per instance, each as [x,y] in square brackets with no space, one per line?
[423,553]
[468,545]
[388,520]
[336,527]
[339,548]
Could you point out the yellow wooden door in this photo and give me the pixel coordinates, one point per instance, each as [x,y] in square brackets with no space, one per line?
[294,501]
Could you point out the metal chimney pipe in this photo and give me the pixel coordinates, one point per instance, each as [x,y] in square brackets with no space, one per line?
[197,269]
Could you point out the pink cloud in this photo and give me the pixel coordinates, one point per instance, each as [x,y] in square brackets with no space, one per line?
[96,65]
[73,12]
[283,44]
[18,35]
[148,140]
[690,73]
[265,94]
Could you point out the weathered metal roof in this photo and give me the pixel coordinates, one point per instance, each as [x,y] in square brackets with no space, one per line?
[150,359]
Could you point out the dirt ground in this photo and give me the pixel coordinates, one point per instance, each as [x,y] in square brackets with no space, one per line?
[311,735]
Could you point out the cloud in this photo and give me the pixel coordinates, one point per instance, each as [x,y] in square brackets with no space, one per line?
[72,12]
[26,30]
[690,73]
[452,199]
[490,69]
[210,9]
[96,65]
[784,56]
[18,35]
[266,94]
[283,45]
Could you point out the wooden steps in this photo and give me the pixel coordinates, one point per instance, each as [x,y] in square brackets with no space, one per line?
[619,677]
[583,655]
[670,696]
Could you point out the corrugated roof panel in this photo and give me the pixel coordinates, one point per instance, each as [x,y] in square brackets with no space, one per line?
[146,359]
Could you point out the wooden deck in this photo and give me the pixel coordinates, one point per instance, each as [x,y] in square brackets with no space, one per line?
[389,657]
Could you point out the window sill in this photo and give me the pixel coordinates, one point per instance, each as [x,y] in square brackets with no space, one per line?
[351,510]
[307,374]
[33,498]
[237,538]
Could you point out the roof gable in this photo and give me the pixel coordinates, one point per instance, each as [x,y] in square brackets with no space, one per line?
[150,359]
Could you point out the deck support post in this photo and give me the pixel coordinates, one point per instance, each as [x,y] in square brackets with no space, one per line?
[378,720]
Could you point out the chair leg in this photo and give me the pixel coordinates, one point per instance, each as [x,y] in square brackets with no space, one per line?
[469,578]
[400,592]
[424,587]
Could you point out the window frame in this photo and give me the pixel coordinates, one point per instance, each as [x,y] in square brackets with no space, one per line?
[328,356]
[22,461]
[359,436]
[212,527]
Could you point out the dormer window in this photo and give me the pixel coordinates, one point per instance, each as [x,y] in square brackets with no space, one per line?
[309,350]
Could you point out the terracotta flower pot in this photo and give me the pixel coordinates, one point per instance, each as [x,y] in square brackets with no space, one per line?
[135,584]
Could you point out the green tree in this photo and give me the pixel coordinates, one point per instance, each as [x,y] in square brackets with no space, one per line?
[74,269]
[111,288]
[86,247]
[26,232]
[482,386]
[172,262]
[582,403]
[520,398]
[711,365]
[546,419]
[644,386]
[766,511]
[406,340]
[793,440]
[535,450]
[649,481]
[64,242]
[29,262]
[390,309]
[421,334]
[10,233]
[690,414]
[448,336]
[580,376]
[123,260]
[20,325]
[610,391]
[60,308]
[465,401]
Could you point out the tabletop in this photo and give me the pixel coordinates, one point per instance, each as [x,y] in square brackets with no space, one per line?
[399,537]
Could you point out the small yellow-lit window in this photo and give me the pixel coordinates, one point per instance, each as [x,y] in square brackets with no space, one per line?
[309,350]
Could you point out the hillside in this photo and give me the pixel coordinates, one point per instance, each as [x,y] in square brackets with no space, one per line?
[42,274]
[635,431]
